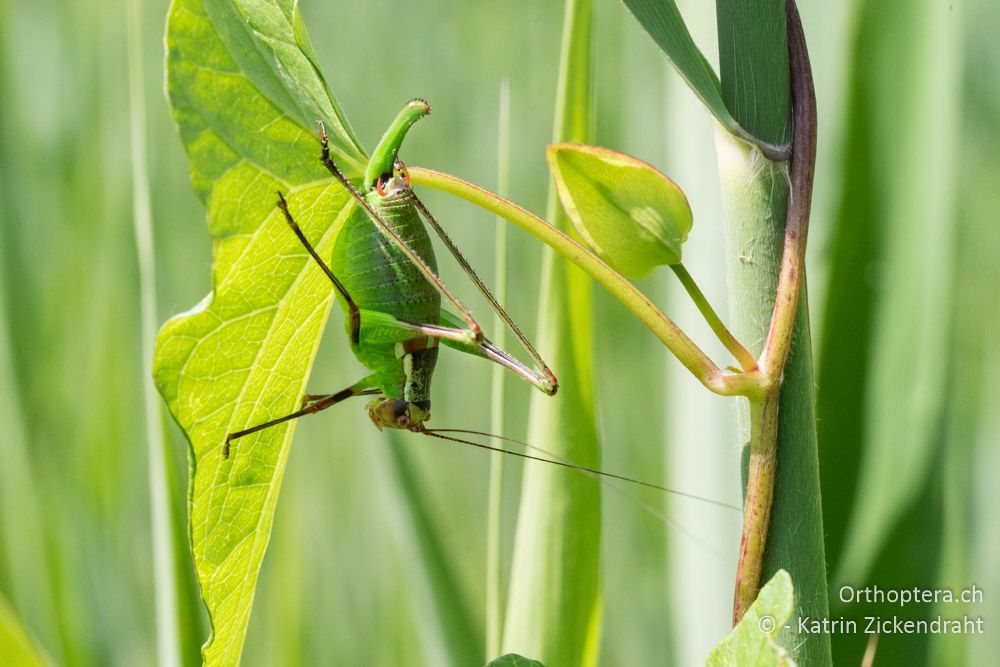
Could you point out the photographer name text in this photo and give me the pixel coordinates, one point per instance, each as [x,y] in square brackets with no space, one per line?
[891,625]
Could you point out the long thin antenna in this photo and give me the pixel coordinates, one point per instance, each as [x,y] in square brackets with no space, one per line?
[440,433]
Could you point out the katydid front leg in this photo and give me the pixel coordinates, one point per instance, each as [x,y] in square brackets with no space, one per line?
[312,404]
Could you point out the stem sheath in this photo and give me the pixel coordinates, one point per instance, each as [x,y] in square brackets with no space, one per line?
[787,409]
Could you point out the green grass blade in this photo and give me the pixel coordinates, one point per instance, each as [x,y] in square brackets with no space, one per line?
[494,531]
[17,648]
[663,22]
[970,456]
[554,608]
[452,625]
[243,355]
[918,74]
[23,548]
[921,385]
[168,644]
[843,361]
[751,36]
[22,531]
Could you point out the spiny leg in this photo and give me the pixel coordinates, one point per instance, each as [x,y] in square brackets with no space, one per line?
[312,404]
[383,327]
[541,378]
[353,313]
[400,243]
[460,339]
[375,320]
[379,327]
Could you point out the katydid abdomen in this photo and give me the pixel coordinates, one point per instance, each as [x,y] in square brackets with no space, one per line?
[377,275]
[381,278]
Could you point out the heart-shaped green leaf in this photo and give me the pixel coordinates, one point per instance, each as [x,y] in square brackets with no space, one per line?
[244,92]
[632,215]
[753,641]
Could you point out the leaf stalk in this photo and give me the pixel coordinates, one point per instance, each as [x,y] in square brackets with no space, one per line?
[742,355]
[751,383]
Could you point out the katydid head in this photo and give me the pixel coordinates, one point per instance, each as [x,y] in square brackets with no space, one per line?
[396,413]
[395,182]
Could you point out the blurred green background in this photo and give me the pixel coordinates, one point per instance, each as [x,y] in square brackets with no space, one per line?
[903,292]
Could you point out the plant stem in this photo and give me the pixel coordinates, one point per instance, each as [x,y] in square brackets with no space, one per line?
[555,602]
[742,355]
[764,414]
[783,515]
[759,497]
[682,347]
[793,261]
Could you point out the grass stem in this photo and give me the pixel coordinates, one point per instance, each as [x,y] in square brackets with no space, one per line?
[494,535]
[164,581]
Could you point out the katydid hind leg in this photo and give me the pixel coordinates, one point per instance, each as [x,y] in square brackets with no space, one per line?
[542,377]
[543,380]
[354,315]
[395,238]
[450,332]
[377,324]
[311,404]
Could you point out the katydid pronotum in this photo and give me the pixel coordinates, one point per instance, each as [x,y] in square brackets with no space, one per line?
[384,271]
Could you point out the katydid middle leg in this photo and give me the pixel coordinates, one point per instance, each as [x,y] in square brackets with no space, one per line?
[380,327]
[354,315]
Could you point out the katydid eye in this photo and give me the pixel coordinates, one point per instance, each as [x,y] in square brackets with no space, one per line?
[401,168]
